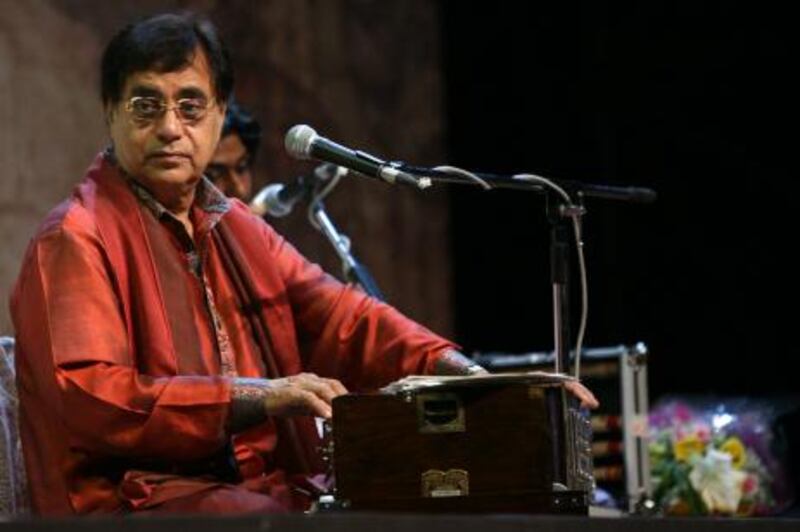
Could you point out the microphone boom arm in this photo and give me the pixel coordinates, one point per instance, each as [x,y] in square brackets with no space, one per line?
[353,270]
[589,190]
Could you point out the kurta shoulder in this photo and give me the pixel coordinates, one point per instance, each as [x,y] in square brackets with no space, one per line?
[70,217]
[67,236]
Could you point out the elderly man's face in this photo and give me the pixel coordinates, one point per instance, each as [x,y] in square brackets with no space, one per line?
[167,149]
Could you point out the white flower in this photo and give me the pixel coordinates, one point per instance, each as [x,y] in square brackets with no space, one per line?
[717,482]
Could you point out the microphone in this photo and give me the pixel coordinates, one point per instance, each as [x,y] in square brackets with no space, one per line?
[278,199]
[303,143]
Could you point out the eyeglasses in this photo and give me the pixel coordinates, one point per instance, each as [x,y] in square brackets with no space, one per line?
[149,108]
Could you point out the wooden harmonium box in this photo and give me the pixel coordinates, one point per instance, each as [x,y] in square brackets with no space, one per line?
[494,443]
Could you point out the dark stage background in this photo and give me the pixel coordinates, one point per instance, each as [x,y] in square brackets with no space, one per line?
[691,99]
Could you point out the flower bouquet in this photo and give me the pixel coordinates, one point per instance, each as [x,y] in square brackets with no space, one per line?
[715,459]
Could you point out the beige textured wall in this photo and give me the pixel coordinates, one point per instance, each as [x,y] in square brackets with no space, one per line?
[326,63]
[49,124]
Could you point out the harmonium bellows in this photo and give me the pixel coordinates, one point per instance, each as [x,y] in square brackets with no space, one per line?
[502,443]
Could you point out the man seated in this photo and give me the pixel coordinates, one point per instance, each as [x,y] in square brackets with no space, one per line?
[171,347]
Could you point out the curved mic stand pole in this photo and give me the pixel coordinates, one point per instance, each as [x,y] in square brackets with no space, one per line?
[353,270]
[558,214]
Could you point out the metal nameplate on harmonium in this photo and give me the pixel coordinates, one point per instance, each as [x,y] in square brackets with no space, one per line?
[493,443]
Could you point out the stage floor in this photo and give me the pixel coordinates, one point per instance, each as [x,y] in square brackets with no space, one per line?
[355,522]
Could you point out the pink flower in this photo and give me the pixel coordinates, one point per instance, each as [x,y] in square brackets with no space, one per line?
[750,484]
[703,432]
[683,413]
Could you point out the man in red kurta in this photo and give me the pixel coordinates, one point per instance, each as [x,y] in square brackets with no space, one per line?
[163,331]
[168,341]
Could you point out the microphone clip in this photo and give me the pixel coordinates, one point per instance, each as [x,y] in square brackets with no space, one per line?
[394,172]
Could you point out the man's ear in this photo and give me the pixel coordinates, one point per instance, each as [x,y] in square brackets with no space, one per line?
[109,113]
[223,109]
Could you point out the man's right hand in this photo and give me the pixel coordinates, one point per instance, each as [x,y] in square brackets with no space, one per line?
[305,394]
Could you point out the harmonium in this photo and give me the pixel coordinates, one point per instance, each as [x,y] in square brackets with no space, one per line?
[512,443]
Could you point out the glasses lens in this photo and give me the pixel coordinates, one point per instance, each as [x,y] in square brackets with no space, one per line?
[144,108]
[191,109]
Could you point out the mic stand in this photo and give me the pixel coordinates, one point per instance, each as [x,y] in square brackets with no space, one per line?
[560,210]
[353,270]
[558,215]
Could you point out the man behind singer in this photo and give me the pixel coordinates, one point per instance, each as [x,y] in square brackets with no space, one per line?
[169,342]
[231,166]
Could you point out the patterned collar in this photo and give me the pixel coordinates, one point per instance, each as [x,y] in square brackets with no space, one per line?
[207,197]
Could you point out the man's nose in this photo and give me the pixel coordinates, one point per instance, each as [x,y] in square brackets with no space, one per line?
[169,127]
[239,187]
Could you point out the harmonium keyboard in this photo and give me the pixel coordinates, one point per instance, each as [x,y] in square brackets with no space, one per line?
[489,443]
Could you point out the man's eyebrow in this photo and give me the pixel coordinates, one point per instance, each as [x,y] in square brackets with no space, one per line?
[192,92]
[144,90]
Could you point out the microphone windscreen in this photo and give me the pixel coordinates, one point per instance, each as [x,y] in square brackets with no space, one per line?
[259,205]
[298,141]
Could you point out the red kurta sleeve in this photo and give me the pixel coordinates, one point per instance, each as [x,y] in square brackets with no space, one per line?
[345,333]
[74,346]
